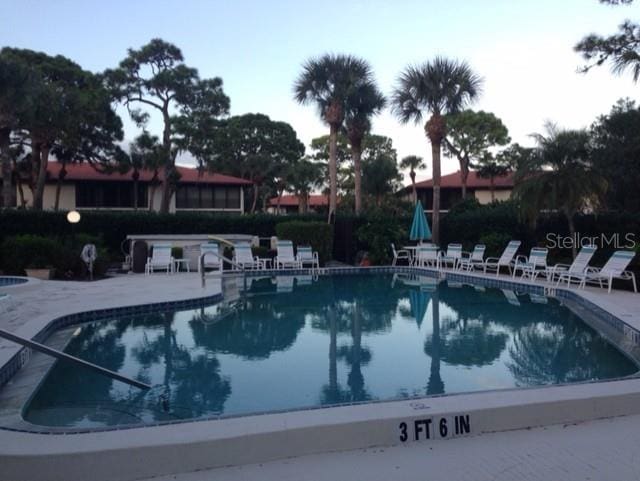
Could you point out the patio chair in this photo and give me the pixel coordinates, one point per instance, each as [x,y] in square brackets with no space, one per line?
[575,270]
[244,258]
[400,255]
[306,256]
[427,256]
[160,259]
[451,256]
[211,259]
[470,260]
[532,266]
[495,263]
[613,269]
[286,257]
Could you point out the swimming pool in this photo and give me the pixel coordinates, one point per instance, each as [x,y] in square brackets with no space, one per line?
[12,280]
[299,342]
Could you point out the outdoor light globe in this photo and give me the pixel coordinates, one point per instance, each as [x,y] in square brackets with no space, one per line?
[73,217]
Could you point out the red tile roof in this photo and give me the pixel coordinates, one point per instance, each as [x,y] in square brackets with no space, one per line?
[473,181]
[84,171]
[315,200]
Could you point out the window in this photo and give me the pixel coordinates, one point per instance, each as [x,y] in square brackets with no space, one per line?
[109,195]
[193,196]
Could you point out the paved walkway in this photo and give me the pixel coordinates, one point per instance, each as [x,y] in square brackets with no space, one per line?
[599,450]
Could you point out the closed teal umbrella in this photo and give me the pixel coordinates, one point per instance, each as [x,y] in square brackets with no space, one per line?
[420,227]
[419,301]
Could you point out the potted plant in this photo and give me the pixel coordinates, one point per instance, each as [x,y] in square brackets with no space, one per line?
[40,269]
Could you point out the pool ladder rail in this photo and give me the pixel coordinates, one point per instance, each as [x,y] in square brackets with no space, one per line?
[36,346]
[223,259]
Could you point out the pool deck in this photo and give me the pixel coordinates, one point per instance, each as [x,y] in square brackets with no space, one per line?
[602,450]
[500,447]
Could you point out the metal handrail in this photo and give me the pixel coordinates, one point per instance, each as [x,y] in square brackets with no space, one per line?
[222,260]
[36,346]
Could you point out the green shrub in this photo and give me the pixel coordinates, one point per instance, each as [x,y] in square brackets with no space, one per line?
[379,232]
[495,242]
[318,235]
[30,251]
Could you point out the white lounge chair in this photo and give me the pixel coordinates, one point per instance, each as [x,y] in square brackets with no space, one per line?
[561,272]
[400,255]
[451,256]
[306,256]
[211,259]
[427,256]
[286,257]
[284,283]
[160,259]
[243,257]
[511,296]
[532,266]
[469,261]
[613,269]
[505,260]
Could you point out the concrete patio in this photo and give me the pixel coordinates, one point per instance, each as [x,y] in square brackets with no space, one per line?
[586,448]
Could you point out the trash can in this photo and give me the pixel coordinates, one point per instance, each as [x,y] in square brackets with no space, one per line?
[140,254]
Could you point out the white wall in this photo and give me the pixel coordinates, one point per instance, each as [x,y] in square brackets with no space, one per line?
[67,196]
[484,196]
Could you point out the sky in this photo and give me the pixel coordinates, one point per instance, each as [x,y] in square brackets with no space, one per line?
[522,49]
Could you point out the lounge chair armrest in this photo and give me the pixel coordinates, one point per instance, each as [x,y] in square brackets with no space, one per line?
[592,270]
[492,260]
[521,259]
[560,266]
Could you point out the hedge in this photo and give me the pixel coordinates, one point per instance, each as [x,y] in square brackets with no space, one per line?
[114,227]
[20,252]
[468,223]
[318,235]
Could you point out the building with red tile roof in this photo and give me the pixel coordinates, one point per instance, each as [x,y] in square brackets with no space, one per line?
[86,187]
[290,204]
[481,188]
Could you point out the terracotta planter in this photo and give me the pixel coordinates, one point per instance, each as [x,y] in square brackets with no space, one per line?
[44,274]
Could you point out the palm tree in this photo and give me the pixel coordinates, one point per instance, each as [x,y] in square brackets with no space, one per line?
[366,102]
[329,81]
[413,163]
[439,87]
[560,176]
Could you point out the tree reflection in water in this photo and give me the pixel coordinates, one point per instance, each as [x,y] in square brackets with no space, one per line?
[555,353]
[220,359]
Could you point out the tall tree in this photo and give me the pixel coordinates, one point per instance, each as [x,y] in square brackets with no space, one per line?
[413,163]
[470,135]
[305,176]
[69,115]
[616,154]
[14,101]
[621,49]
[365,102]
[439,88]
[380,176]
[254,147]
[491,166]
[560,176]
[328,82]
[145,153]
[155,77]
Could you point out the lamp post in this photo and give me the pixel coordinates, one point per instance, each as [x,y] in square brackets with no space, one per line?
[73,217]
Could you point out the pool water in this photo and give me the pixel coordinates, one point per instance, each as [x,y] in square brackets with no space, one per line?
[291,344]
